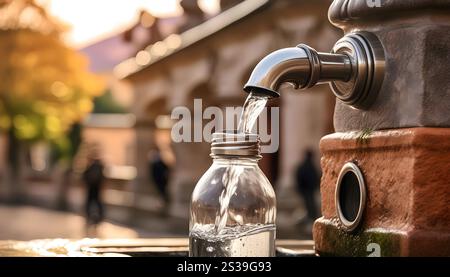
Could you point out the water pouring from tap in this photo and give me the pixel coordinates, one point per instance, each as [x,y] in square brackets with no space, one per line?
[253,106]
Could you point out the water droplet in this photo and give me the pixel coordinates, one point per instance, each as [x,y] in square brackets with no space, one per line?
[210,249]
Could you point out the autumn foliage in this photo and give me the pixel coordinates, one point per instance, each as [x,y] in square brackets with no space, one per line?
[45,86]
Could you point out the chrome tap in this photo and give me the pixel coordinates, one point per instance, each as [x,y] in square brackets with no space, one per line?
[354,69]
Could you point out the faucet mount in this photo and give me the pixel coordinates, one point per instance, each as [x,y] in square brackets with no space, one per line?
[354,69]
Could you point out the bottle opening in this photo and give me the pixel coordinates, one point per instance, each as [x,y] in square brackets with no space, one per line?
[234,143]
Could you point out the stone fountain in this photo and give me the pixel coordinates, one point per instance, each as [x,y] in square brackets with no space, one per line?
[386,171]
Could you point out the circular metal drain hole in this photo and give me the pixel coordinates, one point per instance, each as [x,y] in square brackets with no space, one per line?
[350,196]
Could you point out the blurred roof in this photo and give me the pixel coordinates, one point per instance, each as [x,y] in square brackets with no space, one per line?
[175,43]
[107,53]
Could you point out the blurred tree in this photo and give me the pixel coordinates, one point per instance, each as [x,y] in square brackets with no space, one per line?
[45,87]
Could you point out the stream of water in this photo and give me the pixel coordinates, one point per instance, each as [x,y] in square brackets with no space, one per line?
[253,106]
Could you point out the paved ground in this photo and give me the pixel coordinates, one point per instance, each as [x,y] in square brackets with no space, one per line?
[27,223]
[30,222]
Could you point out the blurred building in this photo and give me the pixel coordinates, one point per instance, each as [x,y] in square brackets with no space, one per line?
[112,130]
[212,61]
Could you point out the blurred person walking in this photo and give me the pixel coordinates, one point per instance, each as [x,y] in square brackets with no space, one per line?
[159,174]
[308,179]
[93,178]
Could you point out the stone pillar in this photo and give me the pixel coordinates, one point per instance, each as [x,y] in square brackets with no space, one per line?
[192,162]
[144,143]
[400,144]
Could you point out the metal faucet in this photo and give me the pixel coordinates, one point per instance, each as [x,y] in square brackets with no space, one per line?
[354,69]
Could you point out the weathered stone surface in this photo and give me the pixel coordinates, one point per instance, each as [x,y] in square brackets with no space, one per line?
[345,13]
[330,240]
[416,88]
[408,186]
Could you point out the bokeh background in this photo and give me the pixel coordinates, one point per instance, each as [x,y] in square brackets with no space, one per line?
[101,76]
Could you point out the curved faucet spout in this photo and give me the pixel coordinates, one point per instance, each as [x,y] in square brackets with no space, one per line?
[354,69]
[301,66]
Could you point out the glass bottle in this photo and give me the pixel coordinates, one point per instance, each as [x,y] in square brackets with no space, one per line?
[233,206]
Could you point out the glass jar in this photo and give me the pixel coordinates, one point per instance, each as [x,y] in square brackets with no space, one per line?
[233,207]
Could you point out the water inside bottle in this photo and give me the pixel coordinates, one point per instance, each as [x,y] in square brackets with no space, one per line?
[250,240]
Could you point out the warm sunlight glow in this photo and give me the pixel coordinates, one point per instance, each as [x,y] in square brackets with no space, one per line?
[94,19]
[209,6]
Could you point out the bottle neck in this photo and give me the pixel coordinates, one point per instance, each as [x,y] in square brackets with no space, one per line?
[235,146]
[226,159]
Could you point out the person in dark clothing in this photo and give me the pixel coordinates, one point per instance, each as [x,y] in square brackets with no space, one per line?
[307,177]
[159,173]
[93,178]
